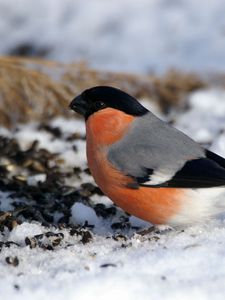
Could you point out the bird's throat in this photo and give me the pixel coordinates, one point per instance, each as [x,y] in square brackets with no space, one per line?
[107,126]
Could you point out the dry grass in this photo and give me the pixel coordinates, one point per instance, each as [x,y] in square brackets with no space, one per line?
[28,93]
[35,89]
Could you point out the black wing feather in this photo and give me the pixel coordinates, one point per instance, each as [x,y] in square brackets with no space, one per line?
[198,173]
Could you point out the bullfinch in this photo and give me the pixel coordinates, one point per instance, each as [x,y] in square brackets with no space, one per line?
[147,167]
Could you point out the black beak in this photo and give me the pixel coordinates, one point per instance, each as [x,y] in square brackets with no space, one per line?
[79,105]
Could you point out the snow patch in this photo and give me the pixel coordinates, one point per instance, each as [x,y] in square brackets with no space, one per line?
[82,213]
[34,180]
[20,232]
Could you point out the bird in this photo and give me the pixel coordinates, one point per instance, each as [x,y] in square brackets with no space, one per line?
[146,166]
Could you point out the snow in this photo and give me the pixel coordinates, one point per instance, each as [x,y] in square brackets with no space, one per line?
[5,203]
[82,213]
[205,119]
[34,180]
[180,265]
[19,233]
[125,35]
[184,263]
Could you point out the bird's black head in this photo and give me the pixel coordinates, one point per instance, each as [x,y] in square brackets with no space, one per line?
[101,97]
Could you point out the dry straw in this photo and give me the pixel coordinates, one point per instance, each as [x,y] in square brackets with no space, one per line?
[36,90]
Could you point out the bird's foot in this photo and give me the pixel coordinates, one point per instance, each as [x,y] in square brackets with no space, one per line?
[159,229]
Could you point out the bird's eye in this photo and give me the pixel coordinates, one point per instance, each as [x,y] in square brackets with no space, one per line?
[99,105]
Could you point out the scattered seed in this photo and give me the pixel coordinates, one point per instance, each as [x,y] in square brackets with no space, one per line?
[126,245]
[119,237]
[74,231]
[47,247]
[87,225]
[108,265]
[49,234]
[75,136]
[103,211]
[16,286]
[56,242]
[39,236]
[87,171]
[86,237]
[7,244]
[14,261]
[146,231]
[31,241]
[4,215]
[121,225]
[55,131]
[20,178]
[51,195]
[191,246]
[10,243]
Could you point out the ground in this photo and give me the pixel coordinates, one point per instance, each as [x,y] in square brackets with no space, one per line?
[61,238]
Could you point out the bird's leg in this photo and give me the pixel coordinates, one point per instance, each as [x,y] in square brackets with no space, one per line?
[146,231]
[154,229]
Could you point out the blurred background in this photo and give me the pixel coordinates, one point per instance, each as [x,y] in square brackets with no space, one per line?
[142,36]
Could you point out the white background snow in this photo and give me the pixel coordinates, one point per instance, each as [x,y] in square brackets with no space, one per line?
[178,264]
[124,35]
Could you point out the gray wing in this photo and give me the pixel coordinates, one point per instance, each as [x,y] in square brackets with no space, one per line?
[152,151]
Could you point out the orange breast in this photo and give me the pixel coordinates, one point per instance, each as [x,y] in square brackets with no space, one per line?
[156,205]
